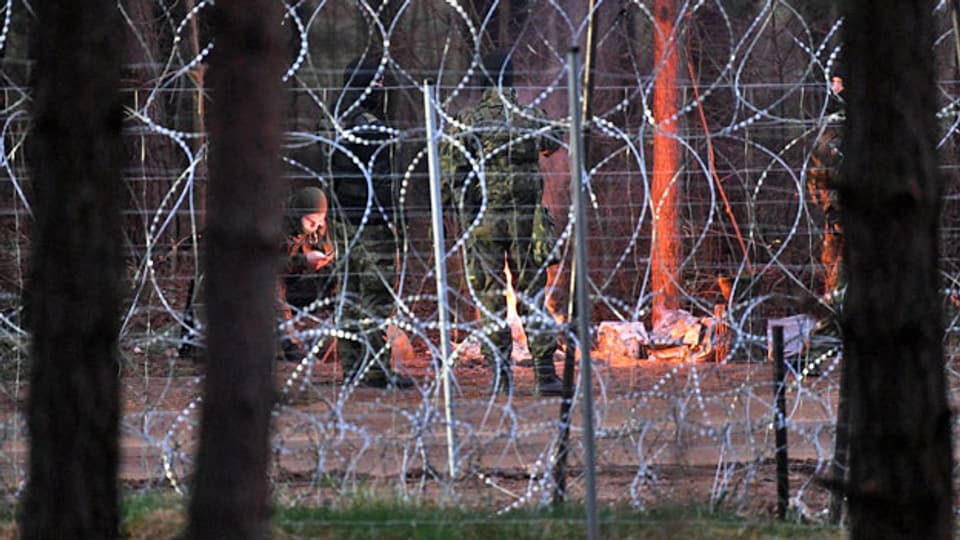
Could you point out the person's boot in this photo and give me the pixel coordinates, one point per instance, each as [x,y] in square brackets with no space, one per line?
[397,381]
[503,381]
[376,378]
[549,385]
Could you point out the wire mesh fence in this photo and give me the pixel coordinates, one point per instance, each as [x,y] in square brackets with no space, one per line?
[683,405]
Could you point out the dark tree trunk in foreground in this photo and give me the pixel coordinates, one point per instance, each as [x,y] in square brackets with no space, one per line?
[74,295]
[243,236]
[900,424]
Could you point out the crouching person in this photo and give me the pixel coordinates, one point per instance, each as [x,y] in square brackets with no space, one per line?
[305,276]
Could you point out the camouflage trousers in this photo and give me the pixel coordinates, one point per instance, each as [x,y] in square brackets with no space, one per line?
[517,237]
[368,286]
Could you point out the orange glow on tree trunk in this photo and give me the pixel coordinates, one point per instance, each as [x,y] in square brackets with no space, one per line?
[666,164]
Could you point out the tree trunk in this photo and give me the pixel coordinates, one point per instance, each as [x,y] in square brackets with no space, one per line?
[231,488]
[73,299]
[666,163]
[900,420]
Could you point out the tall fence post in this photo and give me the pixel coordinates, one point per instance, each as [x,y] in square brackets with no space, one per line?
[780,422]
[582,302]
[440,260]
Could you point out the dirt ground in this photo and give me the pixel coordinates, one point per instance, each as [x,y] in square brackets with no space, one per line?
[161,399]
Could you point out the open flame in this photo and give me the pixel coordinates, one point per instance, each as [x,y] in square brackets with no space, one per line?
[513,317]
[553,282]
[558,312]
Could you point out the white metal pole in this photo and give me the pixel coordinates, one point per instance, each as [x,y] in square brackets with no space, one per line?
[582,293]
[439,256]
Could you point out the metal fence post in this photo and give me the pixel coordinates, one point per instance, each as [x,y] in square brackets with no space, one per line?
[780,422]
[582,297]
[439,255]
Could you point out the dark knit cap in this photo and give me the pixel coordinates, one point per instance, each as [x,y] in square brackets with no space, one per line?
[838,68]
[307,201]
[498,70]
[360,72]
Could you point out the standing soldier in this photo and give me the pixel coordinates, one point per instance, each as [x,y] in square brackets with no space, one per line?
[363,190]
[514,228]
[822,180]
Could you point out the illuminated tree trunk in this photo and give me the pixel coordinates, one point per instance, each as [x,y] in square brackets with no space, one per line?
[231,487]
[666,164]
[901,460]
[76,269]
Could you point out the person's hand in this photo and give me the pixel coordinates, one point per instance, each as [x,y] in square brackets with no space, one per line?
[318,259]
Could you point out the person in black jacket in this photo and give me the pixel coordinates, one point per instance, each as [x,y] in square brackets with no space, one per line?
[363,202]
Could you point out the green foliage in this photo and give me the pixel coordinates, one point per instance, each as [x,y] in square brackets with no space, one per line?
[152,514]
[160,515]
[387,520]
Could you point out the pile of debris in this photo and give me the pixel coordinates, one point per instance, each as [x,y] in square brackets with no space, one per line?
[681,336]
[677,336]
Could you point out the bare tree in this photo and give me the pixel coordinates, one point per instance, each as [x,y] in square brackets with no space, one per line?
[900,482]
[243,236]
[74,294]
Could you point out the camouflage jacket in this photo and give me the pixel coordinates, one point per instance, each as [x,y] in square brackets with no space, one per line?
[823,176]
[501,136]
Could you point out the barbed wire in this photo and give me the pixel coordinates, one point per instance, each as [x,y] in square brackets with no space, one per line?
[679,411]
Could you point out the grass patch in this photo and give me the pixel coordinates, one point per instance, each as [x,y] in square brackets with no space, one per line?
[384,520]
[162,516]
[152,515]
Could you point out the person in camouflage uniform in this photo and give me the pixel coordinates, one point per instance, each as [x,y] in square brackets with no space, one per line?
[514,228]
[822,179]
[363,200]
[304,273]
[307,252]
